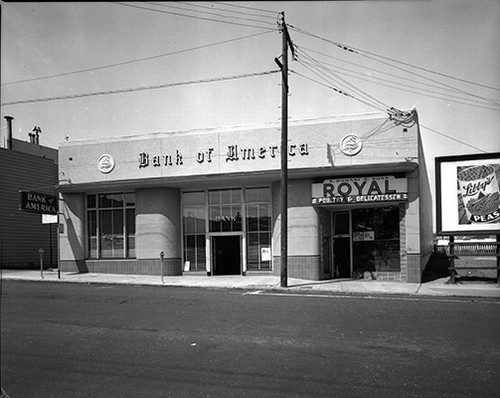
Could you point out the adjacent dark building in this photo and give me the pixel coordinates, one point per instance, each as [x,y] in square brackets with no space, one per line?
[26,166]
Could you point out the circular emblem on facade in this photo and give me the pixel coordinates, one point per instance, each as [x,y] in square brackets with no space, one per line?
[351,145]
[106,163]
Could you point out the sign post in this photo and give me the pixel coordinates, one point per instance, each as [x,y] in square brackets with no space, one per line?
[47,206]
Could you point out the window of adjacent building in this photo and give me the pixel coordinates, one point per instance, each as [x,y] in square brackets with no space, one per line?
[111,225]
[376,243]
[258,228]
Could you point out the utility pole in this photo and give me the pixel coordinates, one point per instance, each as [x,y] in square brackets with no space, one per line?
[284,150]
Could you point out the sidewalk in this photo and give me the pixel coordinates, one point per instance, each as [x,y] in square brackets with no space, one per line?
[438,287]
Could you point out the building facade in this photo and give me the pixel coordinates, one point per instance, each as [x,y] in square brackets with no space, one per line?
[208,201]
[26,166]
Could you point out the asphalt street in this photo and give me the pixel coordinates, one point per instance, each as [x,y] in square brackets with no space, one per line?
[77,340]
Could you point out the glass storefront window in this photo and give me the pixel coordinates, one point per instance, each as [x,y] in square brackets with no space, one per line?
[111,225]
[193,218]
[91,201]
[258,226]
[375,236]
[92,233]
[194,252]
[341,223]
[257,195]
[130,228]
[224,212]
[224,196]
[111,200]
[193,198]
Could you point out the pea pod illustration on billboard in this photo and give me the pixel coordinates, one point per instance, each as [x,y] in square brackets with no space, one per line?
[478,194]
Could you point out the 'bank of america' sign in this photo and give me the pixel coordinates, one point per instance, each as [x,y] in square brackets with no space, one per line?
[36,202]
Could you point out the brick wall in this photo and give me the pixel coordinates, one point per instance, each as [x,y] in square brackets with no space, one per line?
[301,267]
[171,267]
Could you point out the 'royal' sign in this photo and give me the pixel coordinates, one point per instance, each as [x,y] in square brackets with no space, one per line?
[360,190]
[35,202]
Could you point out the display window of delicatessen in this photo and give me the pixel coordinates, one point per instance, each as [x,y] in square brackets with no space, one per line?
[363,224]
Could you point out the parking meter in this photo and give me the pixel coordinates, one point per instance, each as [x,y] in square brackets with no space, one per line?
[40,252]
[161,261]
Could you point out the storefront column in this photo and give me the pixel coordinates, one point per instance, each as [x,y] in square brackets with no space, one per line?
[303,232]
[72,236]
[412,270]
[158,229]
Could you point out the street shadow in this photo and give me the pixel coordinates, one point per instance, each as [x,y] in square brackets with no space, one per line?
[437,267]
[475,280]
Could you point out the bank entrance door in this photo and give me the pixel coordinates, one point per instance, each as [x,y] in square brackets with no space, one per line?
[341,244]
[226,255]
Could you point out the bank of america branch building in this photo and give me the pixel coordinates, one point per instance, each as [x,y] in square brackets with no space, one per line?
[208,201]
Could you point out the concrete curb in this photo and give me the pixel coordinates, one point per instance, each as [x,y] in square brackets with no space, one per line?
[438,287]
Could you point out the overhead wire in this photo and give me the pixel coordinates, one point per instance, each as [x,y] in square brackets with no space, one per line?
[311,64]
[130,90]
[448,98]
[231,11]
[167,5]
[245,7]
[370,79]
[406,119]
[134,60]
[337,90]
[365,52]
[453,138]
[193,16]
[372,57]
[380,72]
[316,64]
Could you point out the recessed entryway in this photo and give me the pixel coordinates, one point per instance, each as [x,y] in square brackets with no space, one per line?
[226,255]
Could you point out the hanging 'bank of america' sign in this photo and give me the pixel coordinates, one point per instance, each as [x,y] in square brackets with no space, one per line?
[360,190]
[36,202]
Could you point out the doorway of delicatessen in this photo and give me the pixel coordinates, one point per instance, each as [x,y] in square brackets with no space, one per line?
[365,242]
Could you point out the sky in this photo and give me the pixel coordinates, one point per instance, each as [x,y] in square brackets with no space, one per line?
[442,57]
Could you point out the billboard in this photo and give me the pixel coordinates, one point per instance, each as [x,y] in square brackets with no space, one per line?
[468,194]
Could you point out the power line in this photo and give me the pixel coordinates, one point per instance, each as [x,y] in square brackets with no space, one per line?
[192,16]
[130,90]
[454,139]
[338,91]
[448,98]
[236,12]
[360,92]
[134,60]
[360,52]
[405,88]
[438,82]
[208,13]
[376,71]
[245,7]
